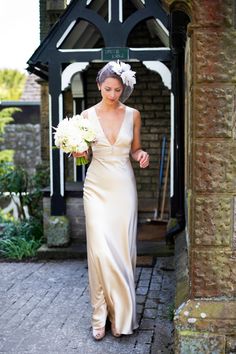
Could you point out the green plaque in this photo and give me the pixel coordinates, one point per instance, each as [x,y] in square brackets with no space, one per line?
[113,53]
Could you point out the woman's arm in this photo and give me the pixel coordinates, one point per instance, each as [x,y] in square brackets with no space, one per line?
[136,151]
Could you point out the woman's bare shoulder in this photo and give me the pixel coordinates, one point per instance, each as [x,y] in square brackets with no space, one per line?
[135,111]
[84,114]
[136,114]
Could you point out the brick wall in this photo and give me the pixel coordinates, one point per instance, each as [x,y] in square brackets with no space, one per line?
[50,11]
[44,19]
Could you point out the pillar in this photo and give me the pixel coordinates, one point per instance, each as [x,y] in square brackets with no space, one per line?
[205,321]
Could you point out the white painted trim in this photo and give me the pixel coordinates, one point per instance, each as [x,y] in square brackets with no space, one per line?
[50,143]
[74,107]
[80,50]
[69,71]
[172,157]
[60,107]
[161,69]
[158,49]
[74,159]
[121,11]
[74,170]
[165,30]
[60,110]
[67,31]
[109,11]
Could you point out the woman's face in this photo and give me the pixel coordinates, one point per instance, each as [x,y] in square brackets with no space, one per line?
[111,90]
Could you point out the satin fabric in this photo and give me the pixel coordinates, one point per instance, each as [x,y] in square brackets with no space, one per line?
[110,203]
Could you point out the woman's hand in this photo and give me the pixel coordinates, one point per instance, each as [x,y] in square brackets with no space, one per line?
[137,153]
[80,154]
[142,157]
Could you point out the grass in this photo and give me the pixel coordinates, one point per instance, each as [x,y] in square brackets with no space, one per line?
[18,248]
[20,239]
[171,312]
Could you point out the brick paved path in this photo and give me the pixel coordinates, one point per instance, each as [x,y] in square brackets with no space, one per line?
[45,309]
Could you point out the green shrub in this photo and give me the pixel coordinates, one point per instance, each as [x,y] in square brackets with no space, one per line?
[27,229]
[5,218]
[18,248]
[171,312]
[15,181]
[29,189]
[21,239]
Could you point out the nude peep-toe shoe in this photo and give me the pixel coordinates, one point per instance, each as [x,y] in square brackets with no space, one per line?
[114,332]
[98,333]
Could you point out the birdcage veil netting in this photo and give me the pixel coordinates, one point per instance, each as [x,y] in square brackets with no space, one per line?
[122,72]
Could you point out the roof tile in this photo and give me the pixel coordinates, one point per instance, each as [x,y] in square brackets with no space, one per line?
[31,90]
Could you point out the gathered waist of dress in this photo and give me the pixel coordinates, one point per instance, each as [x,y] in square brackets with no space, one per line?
[102,157]
[111,153]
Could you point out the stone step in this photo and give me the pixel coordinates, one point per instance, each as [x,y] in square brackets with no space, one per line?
[147,251]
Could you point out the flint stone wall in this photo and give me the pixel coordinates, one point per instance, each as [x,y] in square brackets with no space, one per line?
[24,139]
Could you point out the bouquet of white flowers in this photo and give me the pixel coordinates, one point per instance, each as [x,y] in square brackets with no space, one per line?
[75,135]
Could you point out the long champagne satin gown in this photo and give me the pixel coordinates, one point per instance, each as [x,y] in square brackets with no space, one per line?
[110,203]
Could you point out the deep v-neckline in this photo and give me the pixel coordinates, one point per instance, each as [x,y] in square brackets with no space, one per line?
[103,132]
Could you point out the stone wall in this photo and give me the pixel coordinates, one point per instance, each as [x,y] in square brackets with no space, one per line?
[75,214]
[25,140]
[181,269]
[206,320]
[213,149]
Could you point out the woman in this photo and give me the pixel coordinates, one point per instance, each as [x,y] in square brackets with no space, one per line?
[110,202]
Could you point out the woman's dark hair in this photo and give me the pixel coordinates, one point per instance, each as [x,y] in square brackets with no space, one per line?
[107,72]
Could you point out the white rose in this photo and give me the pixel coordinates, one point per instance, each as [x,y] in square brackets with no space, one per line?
[82,147]
[89,135]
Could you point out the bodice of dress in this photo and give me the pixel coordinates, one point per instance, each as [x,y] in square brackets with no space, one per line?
[102,148]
